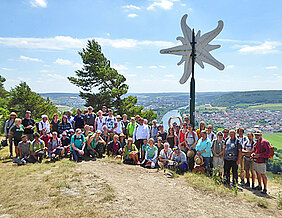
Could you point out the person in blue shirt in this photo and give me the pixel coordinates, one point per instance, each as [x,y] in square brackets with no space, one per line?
[78,120]
[77,145]
[203,148]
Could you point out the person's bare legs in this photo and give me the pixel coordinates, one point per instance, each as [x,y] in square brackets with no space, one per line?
[248,176]
[253,178]
[259,179]
[264,179]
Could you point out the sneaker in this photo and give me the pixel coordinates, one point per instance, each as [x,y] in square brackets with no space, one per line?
[243,182]
[247,184]
[259,188]
[253,186]
[264,191]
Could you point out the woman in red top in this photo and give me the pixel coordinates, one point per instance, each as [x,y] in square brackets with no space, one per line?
[182,139]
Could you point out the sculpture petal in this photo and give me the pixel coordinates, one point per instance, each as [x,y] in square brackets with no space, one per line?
[186,29]
[187,71]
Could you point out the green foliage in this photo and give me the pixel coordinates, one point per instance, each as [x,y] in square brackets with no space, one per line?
[275,164]
[23,99]
[98,75]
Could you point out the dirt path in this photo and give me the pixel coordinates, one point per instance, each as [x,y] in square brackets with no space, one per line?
[146,193]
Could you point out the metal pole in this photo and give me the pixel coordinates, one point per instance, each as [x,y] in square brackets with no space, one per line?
[192,83]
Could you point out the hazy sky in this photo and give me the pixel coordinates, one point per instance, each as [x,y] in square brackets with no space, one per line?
[39,41]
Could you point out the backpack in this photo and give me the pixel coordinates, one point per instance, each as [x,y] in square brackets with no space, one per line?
[271,152]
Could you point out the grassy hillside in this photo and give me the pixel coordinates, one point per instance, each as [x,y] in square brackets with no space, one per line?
[275,139]
[248,98]
[272,107]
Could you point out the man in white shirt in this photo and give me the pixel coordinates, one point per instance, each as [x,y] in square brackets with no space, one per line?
[119,128]
[99,121]
[140,133]
[44,124]
[111,123]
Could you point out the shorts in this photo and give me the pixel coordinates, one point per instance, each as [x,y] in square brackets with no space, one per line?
[260,167]
[248,164]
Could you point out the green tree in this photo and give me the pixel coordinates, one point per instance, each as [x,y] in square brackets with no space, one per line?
[101,84]
[23,99]
[4,112]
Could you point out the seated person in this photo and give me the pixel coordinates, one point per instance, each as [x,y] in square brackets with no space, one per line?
[180,160]
[151,155]
[122,140]
[114,147]
[77,145]
[130,154]
[55,146]
[165,155]
[36,149]
[159,145]
[65,140]
[24,147]
[95,145]
[144,148]
[45,137]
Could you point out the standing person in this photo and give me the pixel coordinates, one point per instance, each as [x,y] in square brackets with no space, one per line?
[130,127]
[181,137]
[89,118]
[119,128]
[125,122]
[232,155]
[210,134]
[36,149]
[165,155]
[29,125]
[77,145]
[248,162]
[70,118]
[104,111]
[78,120]
[191,142]
[140,133]
[217,151]
[203,148]
[260,156]
[55,147]
[243,140]
[17,131]
[65,125]
[154,130]
[162,133]
[24,147]
[225,134]
[44,124]
[202,127]
[55,123]
[114,147]
[171,137]
[99,121]
[7,127]
[174,124]
[111,123]
[130,153]
[151,155]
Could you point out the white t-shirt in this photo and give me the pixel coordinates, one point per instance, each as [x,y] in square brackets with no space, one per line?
[110,122]
[165,155]
[100,123]
[118,130]
[190,138]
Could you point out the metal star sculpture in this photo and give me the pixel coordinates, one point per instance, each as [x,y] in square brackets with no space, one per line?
[202,49]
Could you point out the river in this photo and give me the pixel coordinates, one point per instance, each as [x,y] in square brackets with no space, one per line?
[170,113]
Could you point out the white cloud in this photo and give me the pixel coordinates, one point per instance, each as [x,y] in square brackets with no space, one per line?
[63,61]
[120,67]
[108,34]
[38,3]
[134,7]
[163,4]
[271,68]
[7,69]
[183,4]
[67,42]
[139,67]
[153,67]
[25,58]
[229,67]
[169,75]
[163,67]
[263,48]
[132,15]
[44,71]
[56,76]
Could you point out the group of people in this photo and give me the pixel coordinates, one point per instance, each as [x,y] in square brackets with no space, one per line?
[91,135]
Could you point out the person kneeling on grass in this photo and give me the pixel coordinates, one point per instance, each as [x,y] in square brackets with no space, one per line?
[165,155]
[179,159]
[114,147]
[95,145]
[77,145]
[55,147]
[36,149]
[151,155]
[130,155]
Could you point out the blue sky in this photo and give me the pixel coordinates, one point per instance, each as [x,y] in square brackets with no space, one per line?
[39,41]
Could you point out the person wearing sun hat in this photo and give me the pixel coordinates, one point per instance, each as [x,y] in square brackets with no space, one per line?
[8,125]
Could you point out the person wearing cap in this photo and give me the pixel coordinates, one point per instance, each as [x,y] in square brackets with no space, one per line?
[232,155]
[130,154]
[65,140]
[119,128]
[165,155]
[162,133]
[140,133]
[24,147]
[180,158]
[191,142]
[104,111]
[29,125]
[16,132]
[203,148]
[217,151]
[36,149]
[89,118]
[151,155]
[65,125]
[44,124]
[130,127]
[125,122]
[78,120]
[114,147]
[95,145]
[111,123]
[243,140]
[260,156]
[55,147]
[77,145]
[154,130]
[99,121]
[8,125]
